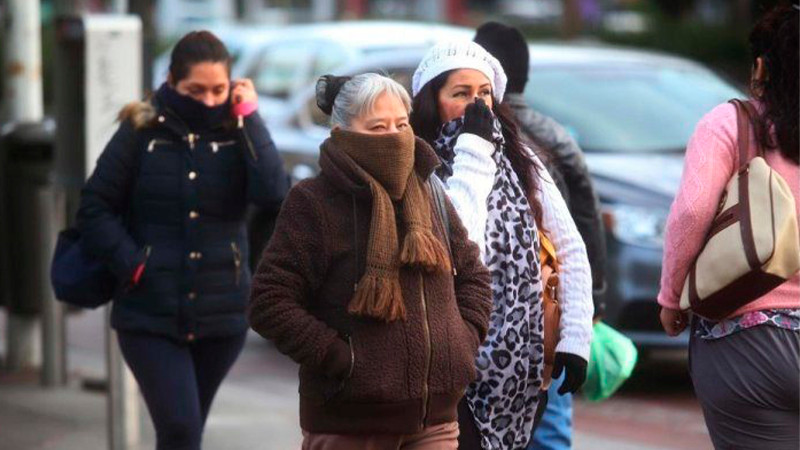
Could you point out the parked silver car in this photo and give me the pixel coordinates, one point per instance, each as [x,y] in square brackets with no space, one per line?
[283,60]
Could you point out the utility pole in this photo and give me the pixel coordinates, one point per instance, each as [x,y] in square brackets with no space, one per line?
[23,62]
[571,20]
[119,6]
[23,97]
[145,9]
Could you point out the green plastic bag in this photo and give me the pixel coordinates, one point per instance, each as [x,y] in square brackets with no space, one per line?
[612,359]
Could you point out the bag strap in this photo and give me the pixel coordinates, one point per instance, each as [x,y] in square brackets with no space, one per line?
[745,112]
[547,252]
[743,124]
[437,190]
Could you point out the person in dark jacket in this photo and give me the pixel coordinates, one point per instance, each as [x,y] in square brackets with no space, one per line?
[165,209]
[358,286]
[565,162]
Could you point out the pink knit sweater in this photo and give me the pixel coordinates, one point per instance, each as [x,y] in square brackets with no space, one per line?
[711,159]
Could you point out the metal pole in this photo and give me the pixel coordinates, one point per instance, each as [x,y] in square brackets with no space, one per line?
[323,10]
[22,68]
[119,6]
[51,208]
[113,77]
[23,62]
[430,11]
[124,428]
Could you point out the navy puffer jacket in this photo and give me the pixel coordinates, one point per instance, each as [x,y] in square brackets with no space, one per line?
[175,199]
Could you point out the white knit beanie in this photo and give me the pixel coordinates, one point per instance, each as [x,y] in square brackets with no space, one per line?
[459,55]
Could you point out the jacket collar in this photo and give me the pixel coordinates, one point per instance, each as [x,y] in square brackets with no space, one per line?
[515,100]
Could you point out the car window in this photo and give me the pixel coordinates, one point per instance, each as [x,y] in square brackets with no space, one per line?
[318,118]
[625,109]
[282,67]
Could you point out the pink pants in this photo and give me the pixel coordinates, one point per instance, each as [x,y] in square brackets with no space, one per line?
[438,437]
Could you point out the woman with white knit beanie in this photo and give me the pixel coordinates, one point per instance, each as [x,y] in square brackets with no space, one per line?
[504,197]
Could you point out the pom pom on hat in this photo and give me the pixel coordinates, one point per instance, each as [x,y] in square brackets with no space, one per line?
[454,55]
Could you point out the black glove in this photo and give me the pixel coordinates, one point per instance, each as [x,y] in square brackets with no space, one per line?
[576,372]
[478,120]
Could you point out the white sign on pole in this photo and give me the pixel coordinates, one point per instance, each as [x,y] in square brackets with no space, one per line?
[112,77]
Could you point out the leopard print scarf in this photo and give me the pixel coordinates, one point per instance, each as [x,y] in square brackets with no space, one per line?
[504,397]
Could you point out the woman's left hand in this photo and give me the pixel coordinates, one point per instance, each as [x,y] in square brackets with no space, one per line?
[674,321]
[575,368]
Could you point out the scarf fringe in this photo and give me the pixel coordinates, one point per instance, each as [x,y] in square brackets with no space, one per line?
[421,249]
[379,297]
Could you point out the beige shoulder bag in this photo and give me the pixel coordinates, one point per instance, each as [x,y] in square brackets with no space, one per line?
[753,245]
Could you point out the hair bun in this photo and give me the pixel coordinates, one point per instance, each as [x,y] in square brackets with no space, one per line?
[328,87]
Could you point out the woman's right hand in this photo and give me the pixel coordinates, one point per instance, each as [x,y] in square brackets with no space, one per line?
[478,120]
[674,321]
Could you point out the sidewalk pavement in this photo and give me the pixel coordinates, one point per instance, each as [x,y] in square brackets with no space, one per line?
[256,407]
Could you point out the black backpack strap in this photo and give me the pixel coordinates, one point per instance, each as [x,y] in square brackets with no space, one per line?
[437,190]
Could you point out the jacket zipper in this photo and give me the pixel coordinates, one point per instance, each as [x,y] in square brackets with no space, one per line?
[247,140]
[428,351]
[237,261]
[215,146]
[192,138]
[151,146]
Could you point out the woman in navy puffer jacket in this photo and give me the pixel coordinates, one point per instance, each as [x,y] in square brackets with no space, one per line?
[165,208]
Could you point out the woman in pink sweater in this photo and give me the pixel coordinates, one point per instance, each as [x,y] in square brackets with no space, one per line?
[744,368]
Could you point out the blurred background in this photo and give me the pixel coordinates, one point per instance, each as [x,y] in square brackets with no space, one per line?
[629,79]
[711,31]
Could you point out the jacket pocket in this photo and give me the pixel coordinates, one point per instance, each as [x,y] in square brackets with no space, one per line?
[334,389]
[131,286]
[463,351]
[380,371]
[237,262]
[154,143]
[216,146]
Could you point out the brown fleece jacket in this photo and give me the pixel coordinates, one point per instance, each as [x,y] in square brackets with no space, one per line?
[404,375]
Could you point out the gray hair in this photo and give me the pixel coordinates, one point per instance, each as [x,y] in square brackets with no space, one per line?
[359,94]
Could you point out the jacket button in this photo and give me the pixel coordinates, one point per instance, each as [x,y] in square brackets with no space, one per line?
[194,215]
[195,255]
[161,119]
[190,337]
[192,175]
[192,295]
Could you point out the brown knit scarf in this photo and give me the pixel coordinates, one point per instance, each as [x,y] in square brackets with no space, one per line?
[386,164]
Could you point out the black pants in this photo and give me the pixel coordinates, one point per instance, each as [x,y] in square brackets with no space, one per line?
[178,381]
[748,384]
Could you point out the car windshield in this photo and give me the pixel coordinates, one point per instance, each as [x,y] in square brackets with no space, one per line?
[627,109]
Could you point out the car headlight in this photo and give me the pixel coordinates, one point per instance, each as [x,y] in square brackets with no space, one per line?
[636,225]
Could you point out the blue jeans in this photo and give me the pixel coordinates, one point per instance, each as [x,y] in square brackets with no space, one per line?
[555,429]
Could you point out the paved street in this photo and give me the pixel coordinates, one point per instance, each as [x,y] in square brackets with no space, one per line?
[256,407]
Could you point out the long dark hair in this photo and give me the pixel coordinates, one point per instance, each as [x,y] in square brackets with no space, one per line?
[775,39]
[193,48]
[425,121]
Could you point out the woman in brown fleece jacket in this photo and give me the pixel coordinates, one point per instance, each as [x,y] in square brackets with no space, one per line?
[362,288]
